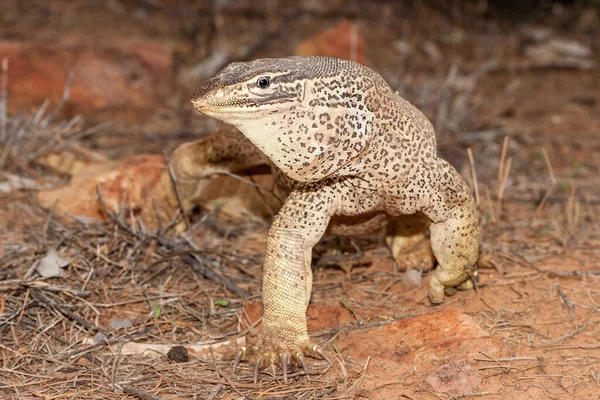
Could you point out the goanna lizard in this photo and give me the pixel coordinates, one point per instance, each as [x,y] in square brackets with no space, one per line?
[352,154]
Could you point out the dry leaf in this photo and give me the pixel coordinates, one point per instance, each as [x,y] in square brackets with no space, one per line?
[52,265]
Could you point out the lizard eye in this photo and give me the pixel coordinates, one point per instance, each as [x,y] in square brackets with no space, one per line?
[263,82]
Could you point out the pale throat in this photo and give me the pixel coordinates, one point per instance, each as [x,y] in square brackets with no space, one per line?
[263,133]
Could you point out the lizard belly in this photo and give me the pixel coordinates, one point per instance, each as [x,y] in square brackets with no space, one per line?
[357,225]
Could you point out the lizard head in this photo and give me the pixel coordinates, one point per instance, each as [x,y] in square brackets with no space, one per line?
[309,115]
[248,91]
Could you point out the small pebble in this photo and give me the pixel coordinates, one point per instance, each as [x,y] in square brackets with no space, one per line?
[120,323]
[100,338]
[412,277]
[178,354]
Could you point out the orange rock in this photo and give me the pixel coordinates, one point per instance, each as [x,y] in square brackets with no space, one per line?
[423,342]
[118,77]
[125,182]
[341,41]
[436,331]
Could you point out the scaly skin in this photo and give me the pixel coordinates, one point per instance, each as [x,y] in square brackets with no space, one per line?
[351,152]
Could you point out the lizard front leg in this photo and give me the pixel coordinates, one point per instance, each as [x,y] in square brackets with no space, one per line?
[287,279]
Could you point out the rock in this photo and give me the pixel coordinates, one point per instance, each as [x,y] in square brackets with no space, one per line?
[126,78]
[416,336]
[419,347]
[100,338]
[120,323]
[131,182]
[124,183]
[178,354]
[341,41]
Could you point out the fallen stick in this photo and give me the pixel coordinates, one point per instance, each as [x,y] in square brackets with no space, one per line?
[216,349]
[140,393]
[16,284]
[568,303]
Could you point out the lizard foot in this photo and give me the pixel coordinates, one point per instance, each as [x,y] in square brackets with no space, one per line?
[416,255]
[451,290]
[411,252]
[279,350]
[441,285]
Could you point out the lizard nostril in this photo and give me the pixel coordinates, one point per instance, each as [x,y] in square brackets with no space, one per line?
[204,88]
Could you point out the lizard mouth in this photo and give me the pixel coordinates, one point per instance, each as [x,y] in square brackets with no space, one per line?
[204,98]
[211,105]
[202,104]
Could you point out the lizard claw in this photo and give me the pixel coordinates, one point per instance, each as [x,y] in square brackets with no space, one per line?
[302,362]
[285,357]
[257,366]
[273,370]
[240,355]
[322,354]
[273,351]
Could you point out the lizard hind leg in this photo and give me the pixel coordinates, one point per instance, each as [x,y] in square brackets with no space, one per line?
[455,243]
[406,237]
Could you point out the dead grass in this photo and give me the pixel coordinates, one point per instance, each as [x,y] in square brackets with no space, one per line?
[57,340]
